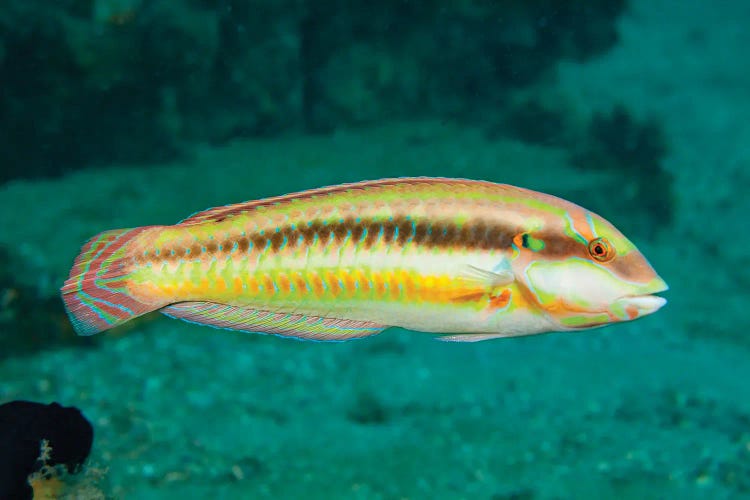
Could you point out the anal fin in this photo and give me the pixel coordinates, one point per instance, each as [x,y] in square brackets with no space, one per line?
[253,320]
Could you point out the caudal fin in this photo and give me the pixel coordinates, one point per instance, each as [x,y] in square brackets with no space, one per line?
[96,295]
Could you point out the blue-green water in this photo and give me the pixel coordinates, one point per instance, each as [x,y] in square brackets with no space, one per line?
[143,113]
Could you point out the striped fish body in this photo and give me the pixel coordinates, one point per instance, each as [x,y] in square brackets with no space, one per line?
[425,254]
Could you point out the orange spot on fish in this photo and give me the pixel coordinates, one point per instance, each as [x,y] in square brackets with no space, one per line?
[333,283]
[317,284]
[393,284]
[252,285]
[268,285]
[284,284]
[378,284]
[500,300]
[426,289]
[348,281]
[238,285]
[364,282]
[299,281]
[409,285]
[631,311]
[203,285]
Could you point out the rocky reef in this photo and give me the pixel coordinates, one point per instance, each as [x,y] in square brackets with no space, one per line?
[94,82]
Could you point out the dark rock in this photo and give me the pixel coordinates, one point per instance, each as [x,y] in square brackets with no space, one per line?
[23,427]
[89,82]
[533,122]
[368,410]
[30,320]
[634,150]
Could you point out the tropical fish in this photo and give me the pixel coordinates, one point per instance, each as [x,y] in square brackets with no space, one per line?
[473,259]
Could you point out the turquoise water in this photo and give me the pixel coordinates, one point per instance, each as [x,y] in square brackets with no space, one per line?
[167,108]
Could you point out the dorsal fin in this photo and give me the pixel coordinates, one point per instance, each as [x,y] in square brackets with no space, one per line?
[217,214]
[258,321]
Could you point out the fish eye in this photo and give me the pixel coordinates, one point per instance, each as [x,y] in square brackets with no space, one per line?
[601,249]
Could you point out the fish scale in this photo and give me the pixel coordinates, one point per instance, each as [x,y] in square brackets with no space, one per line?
[430,254]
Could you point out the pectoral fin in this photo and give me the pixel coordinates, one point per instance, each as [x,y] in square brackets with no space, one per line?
[478,283]
[503,276]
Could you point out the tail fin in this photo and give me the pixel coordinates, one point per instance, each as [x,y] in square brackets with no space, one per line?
[95,294]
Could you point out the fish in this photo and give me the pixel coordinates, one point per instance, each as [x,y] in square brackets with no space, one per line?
[468,260]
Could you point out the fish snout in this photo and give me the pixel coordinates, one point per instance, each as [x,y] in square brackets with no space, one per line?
[643,303]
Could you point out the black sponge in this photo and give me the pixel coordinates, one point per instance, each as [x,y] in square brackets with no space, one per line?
[23,426]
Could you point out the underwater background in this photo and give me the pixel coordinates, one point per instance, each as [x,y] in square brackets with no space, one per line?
[125,113]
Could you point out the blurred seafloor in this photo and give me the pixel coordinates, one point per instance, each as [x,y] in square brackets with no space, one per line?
[654,409]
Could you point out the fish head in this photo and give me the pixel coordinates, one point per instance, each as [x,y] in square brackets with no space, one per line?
[581,272]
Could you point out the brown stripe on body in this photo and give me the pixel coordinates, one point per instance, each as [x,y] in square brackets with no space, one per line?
[558,246]
[400,231]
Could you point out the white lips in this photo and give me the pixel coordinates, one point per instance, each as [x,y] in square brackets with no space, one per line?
[644,304]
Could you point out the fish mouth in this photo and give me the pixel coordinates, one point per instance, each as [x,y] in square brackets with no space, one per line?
[639,305]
